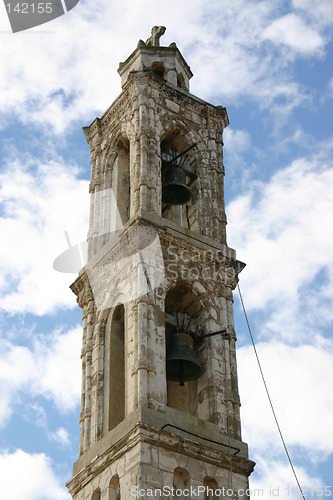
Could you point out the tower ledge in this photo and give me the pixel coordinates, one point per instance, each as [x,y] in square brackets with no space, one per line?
[153,437]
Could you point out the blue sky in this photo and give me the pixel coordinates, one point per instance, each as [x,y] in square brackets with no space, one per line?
[270,63]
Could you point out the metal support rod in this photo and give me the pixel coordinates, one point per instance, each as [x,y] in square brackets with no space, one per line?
[205,335]
[180,154]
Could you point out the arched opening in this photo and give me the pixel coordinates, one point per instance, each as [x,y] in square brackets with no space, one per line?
[175,159]
[110,202]
[120,183]
[114,488]
[211,488]
[182,314]
[96,495]
[117,368]
[158,69]
[181,81]
[181,482]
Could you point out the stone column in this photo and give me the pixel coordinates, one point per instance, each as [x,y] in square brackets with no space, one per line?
[131,353]
[135,171]
[97,382]
[142,132]
[233,369]
[152,387]
[141,365]
[88,360]
[83,379]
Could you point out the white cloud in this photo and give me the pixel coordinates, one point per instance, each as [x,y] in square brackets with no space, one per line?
[294,33]
[27,476]
[234,62]
[61,436]
[60,369]
[330,86]
[299,381]
[237,140]
[276,480]
[15,363]
[40,201]
[34,412]
[319,11]
[236,143]
[50,368]
[282,230]
[70,72]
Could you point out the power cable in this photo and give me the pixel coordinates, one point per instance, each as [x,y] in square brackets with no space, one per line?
[268,395]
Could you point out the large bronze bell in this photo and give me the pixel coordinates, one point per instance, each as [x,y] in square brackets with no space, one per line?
[181,364]
[174,189]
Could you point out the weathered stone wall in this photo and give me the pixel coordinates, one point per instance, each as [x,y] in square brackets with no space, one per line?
[210,273]
[137,429]
[147,113]
[148,459]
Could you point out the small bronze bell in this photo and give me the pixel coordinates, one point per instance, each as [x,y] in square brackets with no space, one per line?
[174,189]
[181,364]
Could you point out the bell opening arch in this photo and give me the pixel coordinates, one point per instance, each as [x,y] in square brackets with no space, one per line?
[180,179]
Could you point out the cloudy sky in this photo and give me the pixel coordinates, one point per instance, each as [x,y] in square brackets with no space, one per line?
[270,63]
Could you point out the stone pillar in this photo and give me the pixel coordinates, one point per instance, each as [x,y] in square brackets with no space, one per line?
[142,368]
[97,393]
[88,379]
[83,380]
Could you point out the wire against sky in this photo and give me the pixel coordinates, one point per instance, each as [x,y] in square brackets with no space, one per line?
[268,395]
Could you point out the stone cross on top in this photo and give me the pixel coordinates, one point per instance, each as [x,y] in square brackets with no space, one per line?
[156,33]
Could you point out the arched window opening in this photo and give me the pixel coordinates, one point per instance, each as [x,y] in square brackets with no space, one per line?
[114,488]
[158,69]
[181,482]
[117,368]
[96,495]
[211,488]
[182,313]
[179,183]
[110,202]
[181,81]
[120,183]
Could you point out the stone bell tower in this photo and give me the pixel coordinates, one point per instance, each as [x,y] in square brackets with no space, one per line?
[160,403]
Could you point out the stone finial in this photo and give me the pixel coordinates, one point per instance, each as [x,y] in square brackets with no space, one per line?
[156,33]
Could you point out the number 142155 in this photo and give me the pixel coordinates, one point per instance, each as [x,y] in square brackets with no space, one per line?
[30,8]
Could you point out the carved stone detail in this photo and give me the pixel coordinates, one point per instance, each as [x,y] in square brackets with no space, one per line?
[134,423]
